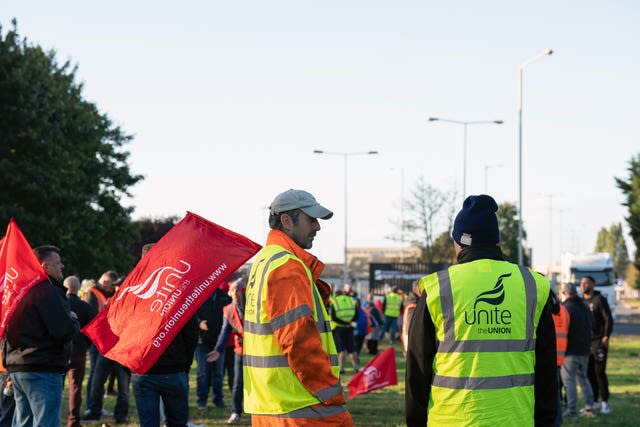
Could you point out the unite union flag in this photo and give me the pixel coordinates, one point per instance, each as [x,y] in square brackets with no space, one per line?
[378,373]
[166,289]
[20,270]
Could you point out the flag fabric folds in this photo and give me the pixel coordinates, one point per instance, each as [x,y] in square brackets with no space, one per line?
[165,290]
[20,270]
[378,373]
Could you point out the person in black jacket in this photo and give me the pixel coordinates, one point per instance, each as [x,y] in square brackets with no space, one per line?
[78,358]
[476,236]
[167,381]
[576,360]
[210,375]
[602,328]
[38,344]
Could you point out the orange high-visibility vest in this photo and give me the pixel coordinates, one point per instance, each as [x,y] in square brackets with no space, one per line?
[102,300]
[561,322]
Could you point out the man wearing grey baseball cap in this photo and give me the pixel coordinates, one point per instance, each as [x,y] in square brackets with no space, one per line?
[291,373]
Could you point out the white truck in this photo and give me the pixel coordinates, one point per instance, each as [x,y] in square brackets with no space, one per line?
[598,265]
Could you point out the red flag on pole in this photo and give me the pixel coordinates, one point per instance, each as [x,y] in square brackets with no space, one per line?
[165,290]
[379,373]
[20,270]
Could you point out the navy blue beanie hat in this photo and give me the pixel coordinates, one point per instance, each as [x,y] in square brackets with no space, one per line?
[477,224]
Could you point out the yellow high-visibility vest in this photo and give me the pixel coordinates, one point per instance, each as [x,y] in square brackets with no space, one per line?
[392,305]
[270,386]
[345,308]
[485,315]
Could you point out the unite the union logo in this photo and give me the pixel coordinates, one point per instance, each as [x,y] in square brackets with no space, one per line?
[160,284]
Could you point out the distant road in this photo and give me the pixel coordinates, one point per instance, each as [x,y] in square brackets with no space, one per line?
[627,320]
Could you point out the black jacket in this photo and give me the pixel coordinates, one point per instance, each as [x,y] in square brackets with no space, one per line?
[602,319]
[39,334]
[179,355]
[423,347]
[580,327]
[211,311]
[85,314]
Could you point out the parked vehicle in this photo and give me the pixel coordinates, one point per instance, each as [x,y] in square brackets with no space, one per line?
[598,265]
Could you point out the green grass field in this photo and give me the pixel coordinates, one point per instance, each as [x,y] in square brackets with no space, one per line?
[386,407]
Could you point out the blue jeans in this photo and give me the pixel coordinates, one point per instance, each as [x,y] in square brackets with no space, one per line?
[574,370]
[171,388]
[209,375]
[102,370]
[236,405]
[38,398]
[391,326]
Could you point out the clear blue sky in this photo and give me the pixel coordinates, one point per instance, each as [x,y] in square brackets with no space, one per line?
[227,101]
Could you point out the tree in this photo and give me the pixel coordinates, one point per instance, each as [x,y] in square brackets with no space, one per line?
[508,225]
[630,187]
[63,169]
[152,230]
[425,209]
[612,241]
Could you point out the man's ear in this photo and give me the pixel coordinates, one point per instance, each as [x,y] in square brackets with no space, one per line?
[286,221]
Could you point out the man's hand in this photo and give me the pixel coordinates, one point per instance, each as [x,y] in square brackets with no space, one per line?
[212,356]
[203,325]
[605,342]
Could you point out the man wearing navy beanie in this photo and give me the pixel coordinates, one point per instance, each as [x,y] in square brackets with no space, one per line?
[482,341]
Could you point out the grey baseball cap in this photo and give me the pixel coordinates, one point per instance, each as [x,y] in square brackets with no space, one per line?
[299,199]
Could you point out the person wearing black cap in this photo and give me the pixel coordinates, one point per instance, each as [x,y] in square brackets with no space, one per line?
[482,342]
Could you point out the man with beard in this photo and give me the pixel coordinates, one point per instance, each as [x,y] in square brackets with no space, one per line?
[602,328]
[291,374]
[38,344]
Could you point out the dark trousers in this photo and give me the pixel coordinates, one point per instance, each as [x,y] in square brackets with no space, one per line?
[229,365]
[597,373]
[76,375]
[171,389]
[359,340]
[103,368]
[93,357]
[237,393]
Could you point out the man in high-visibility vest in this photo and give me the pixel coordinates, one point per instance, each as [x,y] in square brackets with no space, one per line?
[290,363]
[391,307]
[343,313]
[482,342]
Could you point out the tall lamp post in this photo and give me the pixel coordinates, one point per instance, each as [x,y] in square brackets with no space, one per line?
[345,156]
[546,52]
[464,162]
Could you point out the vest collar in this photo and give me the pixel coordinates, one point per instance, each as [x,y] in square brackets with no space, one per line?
[277,237]
[473,253]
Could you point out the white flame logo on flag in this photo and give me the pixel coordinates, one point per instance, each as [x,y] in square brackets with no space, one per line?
[148,288]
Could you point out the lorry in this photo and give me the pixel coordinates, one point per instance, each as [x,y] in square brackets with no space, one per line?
[598,265]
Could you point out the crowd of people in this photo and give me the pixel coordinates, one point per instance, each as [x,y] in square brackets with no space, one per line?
[486,341]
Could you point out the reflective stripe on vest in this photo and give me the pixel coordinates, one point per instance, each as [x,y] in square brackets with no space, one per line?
[270,386]
[485,314]
[344,307]
[314,412]
[392,305]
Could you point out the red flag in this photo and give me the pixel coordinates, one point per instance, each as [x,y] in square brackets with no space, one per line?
[165,290]
[20,270]
[379,373]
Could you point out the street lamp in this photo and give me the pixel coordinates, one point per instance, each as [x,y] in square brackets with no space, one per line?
[465,124]
[345,275]
[546,52]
